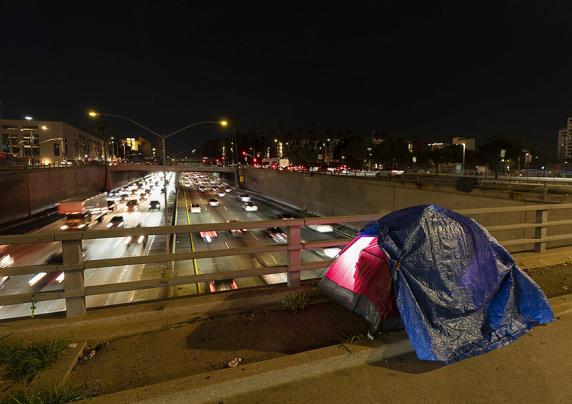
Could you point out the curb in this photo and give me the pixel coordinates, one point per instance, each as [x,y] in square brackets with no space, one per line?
[225,383]
[59,372]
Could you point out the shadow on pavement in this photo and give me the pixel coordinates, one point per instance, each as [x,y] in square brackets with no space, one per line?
[409,363]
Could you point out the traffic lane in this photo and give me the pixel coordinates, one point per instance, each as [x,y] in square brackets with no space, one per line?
[219,264]
[258,237]
[268,211]
[220,214]
[96,249]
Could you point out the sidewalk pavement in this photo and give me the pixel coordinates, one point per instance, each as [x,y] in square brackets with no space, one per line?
[536,368]
[553,256]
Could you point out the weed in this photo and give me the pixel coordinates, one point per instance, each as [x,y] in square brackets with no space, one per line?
[295,301]
[56,395]
[24,361]
[350,339]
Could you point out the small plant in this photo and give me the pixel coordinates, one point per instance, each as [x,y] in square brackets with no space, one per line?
[56,395]
[295,301]
[350,339]
[24,361]
[33,306]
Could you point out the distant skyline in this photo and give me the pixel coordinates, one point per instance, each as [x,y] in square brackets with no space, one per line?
[427,72]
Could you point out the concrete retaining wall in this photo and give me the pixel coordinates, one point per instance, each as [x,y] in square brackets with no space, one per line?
[335,195]
[24,193]
[28,192]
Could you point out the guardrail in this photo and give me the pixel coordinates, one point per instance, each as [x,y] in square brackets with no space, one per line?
[75,291]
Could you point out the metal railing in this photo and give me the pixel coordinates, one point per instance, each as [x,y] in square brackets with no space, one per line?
[75,291]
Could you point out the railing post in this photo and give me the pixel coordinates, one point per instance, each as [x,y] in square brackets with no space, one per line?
[294,240]
[541,232]
[73,280]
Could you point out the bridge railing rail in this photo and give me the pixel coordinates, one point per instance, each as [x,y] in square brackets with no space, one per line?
[75,291]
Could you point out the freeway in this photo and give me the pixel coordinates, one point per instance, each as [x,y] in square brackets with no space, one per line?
[41,253]
[230,208]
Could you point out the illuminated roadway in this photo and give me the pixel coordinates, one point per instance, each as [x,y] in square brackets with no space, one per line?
[230,208]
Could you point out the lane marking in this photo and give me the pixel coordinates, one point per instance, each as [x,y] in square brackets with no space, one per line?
[254,235]
[225,243]
[192,241]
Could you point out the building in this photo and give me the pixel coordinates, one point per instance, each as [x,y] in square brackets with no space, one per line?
[137,148]
[470,143]
[437,146]
[48,142]
[565,142]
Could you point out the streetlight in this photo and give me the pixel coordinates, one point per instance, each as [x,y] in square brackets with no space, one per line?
[234,150]
[463,167]
[52,139]
[43,127]
[95,114]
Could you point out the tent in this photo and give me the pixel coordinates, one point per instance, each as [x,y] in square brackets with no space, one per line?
[457,291]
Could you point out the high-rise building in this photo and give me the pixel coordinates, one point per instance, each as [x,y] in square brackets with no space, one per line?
[565,142]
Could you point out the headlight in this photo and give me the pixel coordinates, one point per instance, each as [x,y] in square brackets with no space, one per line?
[109,225]
[128,240]
[140,239]
[81,226]
[64,227]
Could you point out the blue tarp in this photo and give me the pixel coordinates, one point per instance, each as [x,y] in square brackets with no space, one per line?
[459,292]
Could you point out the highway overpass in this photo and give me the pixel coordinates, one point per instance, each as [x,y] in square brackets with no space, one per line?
[173,168]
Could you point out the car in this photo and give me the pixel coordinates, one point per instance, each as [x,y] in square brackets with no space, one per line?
[133,192]
[227,189]
[148,190]
[276,234]
[155,205]
[43,278]
[321,228]
[221,193]
[249,207]
[111,194]
[330,252]
[116,221]
[213,202]
[5,262]
[202,189]
[286,216]
[195,208]
[123,197]
[135,240]
[235,232]
[132,205]
[222,285]
[244,197]
[143,195]
[111,205]
[208,236]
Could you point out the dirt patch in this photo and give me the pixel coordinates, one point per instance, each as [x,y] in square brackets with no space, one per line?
[554,280]
[187,349]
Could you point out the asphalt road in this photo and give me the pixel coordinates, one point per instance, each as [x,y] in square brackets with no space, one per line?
[38,254]
[230,208]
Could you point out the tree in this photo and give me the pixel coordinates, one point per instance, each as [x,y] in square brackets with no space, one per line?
[393,151]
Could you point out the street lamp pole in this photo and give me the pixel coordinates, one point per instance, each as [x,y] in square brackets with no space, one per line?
[235,154]
[163,138]
[463,168]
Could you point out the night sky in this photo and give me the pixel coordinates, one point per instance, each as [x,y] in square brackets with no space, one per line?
[427,72]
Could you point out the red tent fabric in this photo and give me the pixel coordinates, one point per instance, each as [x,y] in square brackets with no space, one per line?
[361,280]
